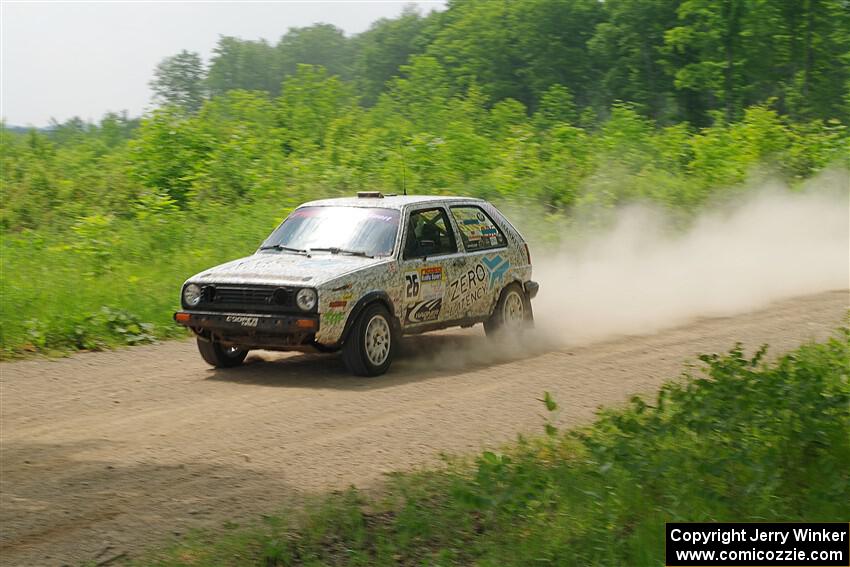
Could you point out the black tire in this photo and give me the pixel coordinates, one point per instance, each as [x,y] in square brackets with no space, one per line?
[220,356]
[496,324]
[363,352]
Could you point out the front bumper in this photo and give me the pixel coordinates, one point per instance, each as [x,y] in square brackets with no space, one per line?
[248,323]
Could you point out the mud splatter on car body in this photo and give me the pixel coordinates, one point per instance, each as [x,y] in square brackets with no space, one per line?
[440,262]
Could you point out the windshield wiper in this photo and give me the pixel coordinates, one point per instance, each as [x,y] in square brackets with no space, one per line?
[335,250]
[282,247]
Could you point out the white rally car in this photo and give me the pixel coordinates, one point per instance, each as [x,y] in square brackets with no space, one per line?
[354,274]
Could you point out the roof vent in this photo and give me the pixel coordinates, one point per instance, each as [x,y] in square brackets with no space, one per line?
[370,195]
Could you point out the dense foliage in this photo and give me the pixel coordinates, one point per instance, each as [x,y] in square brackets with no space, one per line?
[744,441]
[675,59]
[517,102]
[92,221]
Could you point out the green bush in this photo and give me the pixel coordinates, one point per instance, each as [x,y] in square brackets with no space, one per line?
[745,440]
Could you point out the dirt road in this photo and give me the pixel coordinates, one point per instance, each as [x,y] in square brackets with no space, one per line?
[107,453]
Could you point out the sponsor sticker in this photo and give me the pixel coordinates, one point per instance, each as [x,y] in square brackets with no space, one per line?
[425,311]
[431,274]
[470,287]
[424,283]
[498,267]
[333,318]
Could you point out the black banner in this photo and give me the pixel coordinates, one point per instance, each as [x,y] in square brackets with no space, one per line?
[761,544]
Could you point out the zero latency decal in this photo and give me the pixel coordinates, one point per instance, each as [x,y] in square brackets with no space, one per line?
[474,284]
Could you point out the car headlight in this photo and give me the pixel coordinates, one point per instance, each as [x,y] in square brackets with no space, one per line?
[191,295]
[306,299]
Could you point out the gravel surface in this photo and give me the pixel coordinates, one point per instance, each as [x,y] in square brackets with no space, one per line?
[109,453]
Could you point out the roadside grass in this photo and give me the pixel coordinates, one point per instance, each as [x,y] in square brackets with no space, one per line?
[113,281]
[739,440]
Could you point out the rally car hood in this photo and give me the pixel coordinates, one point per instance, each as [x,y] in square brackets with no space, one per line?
[281,268]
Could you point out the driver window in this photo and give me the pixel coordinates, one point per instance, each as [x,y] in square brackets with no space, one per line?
[429,234]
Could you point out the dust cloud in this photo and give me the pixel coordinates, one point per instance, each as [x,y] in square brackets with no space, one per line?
[641,275]
[645,272]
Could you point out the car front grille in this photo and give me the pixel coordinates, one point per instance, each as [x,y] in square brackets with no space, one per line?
[258,298]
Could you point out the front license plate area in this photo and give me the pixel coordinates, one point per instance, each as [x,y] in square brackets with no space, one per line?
[242,321]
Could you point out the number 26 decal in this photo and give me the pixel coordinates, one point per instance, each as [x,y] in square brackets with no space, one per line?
[413,284]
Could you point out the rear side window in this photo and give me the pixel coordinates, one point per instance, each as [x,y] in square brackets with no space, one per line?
[477,229]
[429,234]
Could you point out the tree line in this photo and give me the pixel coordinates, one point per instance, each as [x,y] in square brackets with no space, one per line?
[692,61]
[570,104]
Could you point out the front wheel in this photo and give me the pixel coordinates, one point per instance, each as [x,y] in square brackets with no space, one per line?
[512,314]
[370,346]
[220,356]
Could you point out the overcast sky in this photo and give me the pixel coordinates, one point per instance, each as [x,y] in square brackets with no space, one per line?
[65,59]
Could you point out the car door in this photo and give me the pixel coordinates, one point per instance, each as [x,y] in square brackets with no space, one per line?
[485,263]
[428,256]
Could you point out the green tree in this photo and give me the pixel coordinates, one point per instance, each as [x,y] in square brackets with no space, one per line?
[321,44]
[242,153]
[384,48]
[732,54]
[711,31]
[556,106]
[246,65]
[476,44]
[166,153]
[551,39]
[115,128]
[626,47]
[310,100]
[179,81]
[71,131]
[519,49]
[816,68]
[422,92]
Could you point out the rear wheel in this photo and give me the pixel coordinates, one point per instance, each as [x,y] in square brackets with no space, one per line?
[220,356]
[512,314]
[370,346]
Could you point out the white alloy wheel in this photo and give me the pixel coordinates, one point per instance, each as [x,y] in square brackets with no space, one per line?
[377,340]
[512,315]
[513,310]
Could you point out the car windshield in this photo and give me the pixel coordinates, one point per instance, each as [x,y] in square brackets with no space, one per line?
[368,231]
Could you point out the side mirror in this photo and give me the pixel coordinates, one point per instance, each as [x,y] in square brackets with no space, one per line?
[426,247]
